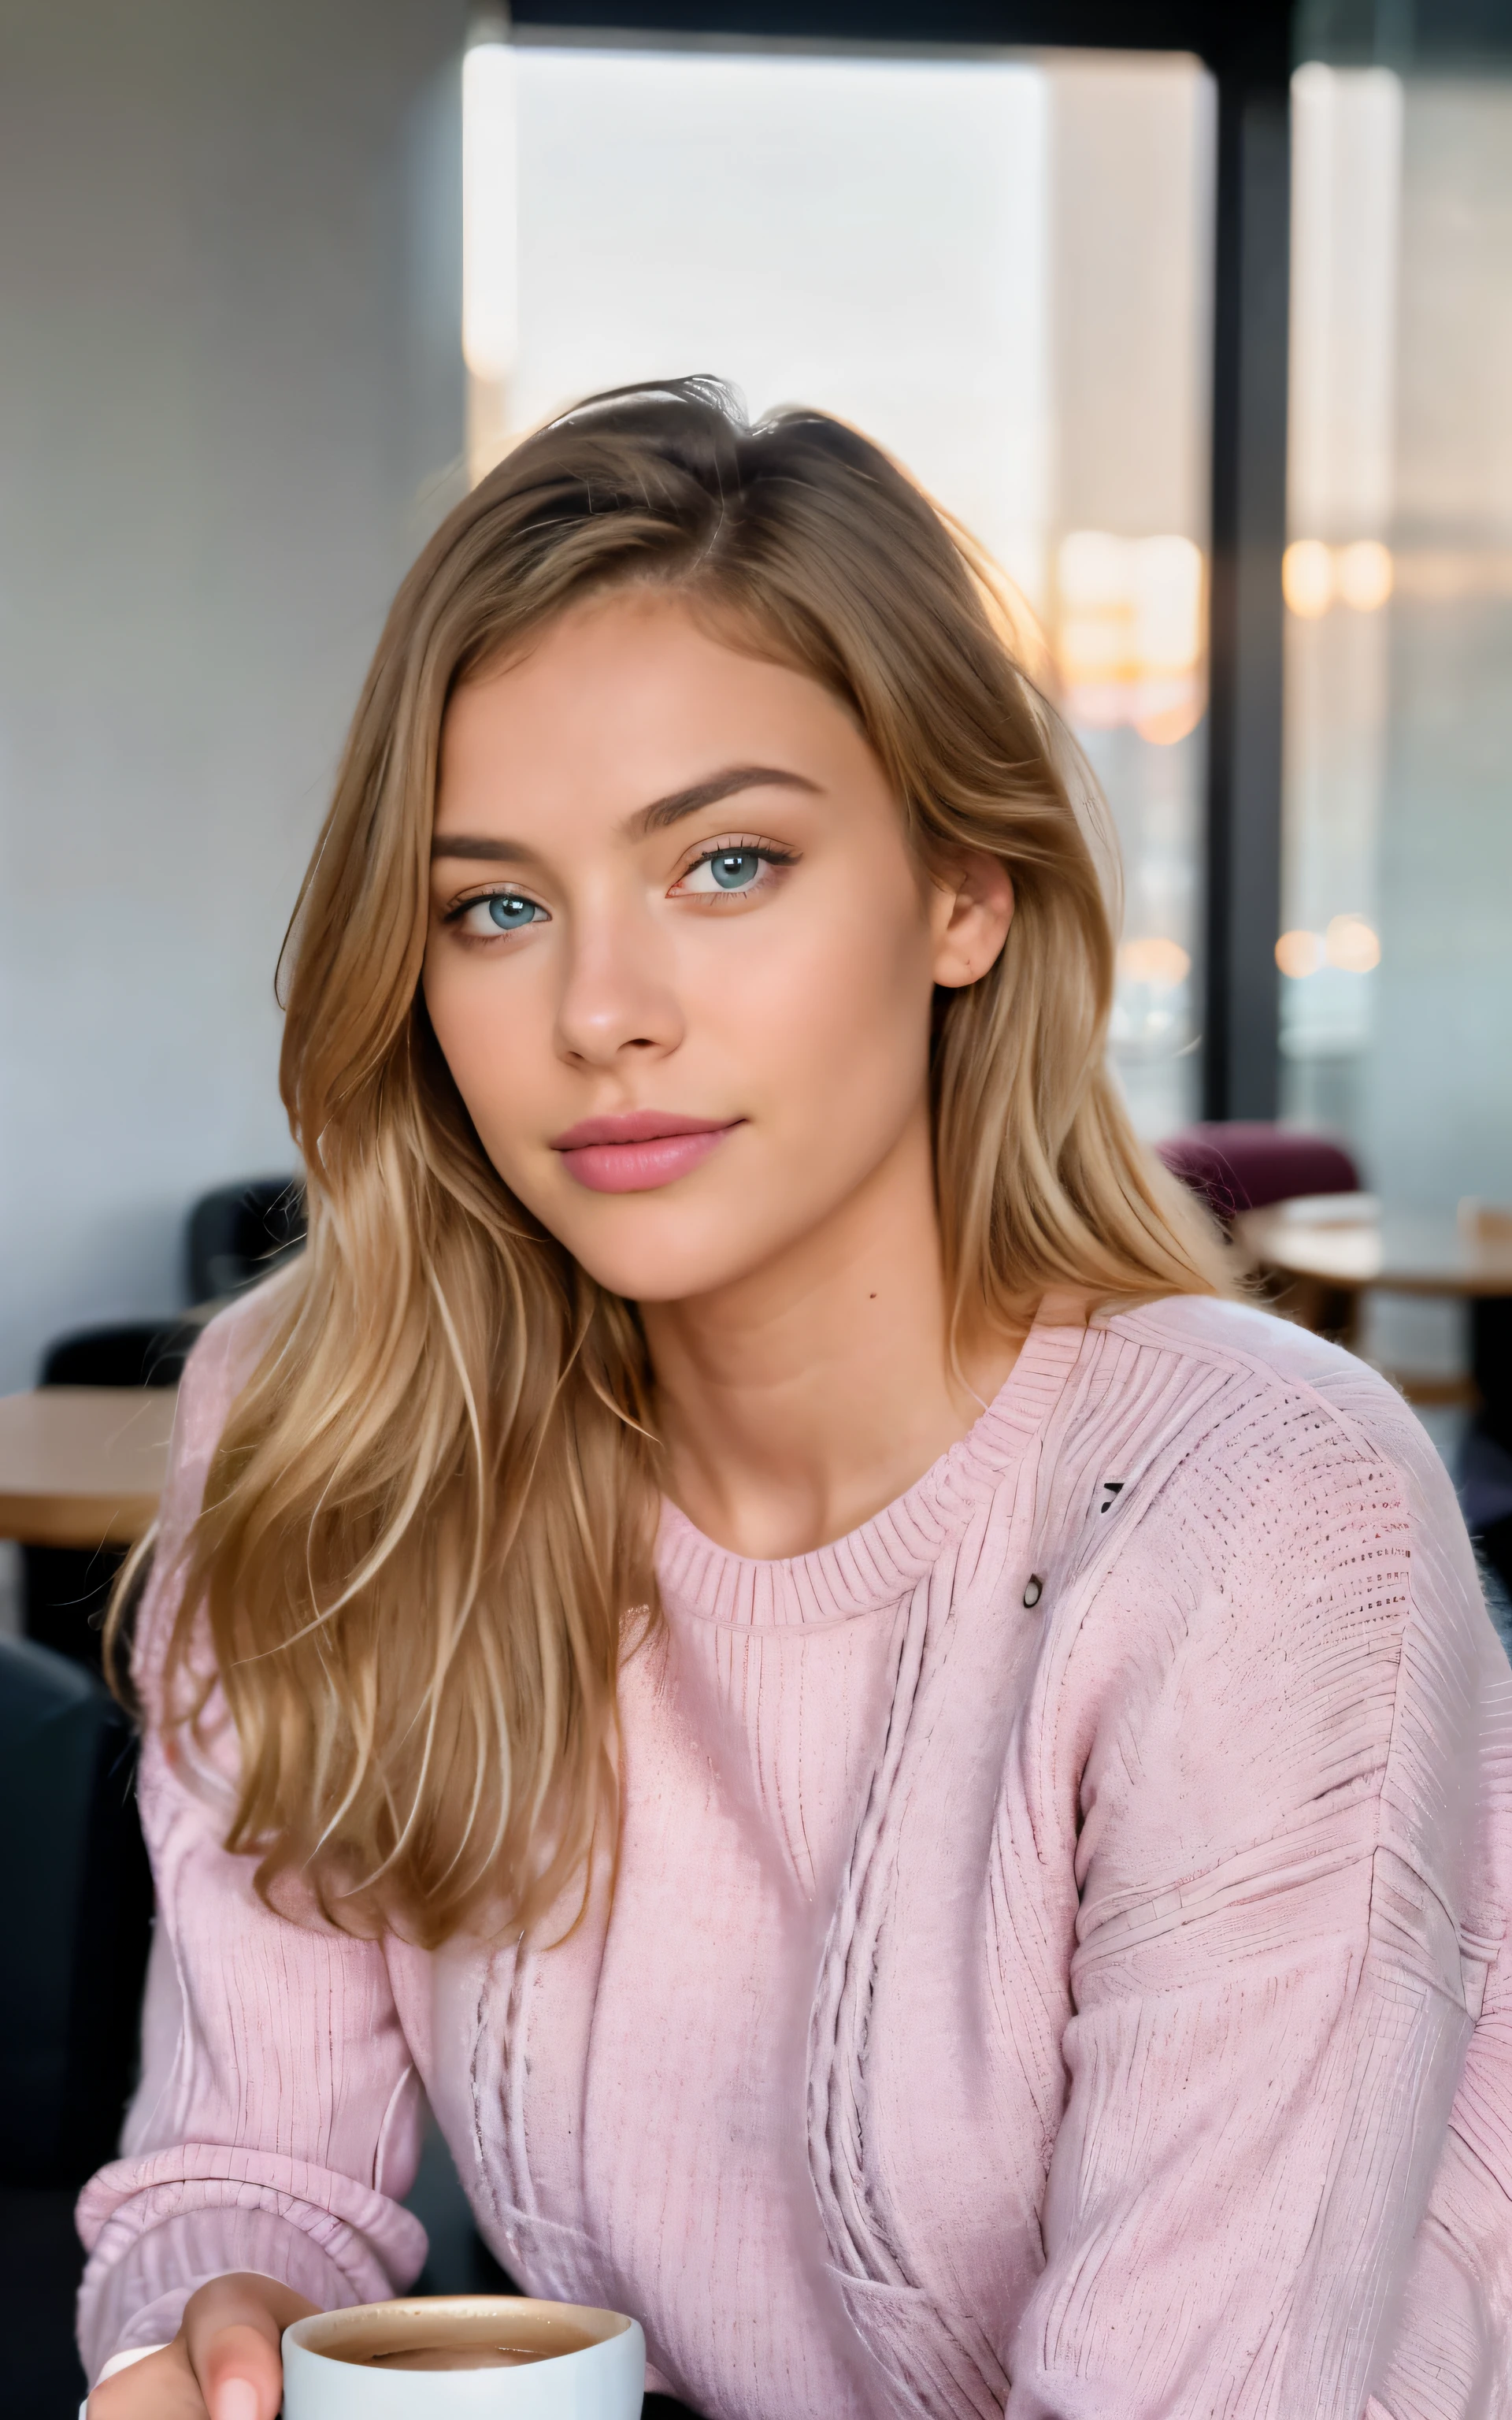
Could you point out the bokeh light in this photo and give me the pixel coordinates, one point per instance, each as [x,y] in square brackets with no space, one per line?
[1299,954]
[1364,574]
[1351,944]
[1307,577]
[1161,963]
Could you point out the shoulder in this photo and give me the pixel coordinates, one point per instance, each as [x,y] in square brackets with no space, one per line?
[1274,1489]
[1237,1337]
[1238,1360]
[191,1748]
[1244,1439]
[223,1359]
[232,1345]
[228,1354]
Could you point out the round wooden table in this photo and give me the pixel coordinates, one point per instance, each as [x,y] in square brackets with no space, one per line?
[1349,1242]
[1330,1249]
[83,1466]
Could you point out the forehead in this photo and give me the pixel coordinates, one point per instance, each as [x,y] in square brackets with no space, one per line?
[624,699]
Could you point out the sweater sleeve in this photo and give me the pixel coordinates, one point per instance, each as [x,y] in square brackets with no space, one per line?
[1282,1782]
[277,2120]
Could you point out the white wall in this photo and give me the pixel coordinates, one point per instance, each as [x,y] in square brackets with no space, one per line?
[231,401]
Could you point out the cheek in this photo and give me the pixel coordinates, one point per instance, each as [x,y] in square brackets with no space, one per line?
[484,1032]
[835,997]
[858,962]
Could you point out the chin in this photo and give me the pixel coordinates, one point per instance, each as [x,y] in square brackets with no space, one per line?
[666,1275]
[651,1250]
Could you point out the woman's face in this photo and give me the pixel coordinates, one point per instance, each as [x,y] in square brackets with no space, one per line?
[681,960]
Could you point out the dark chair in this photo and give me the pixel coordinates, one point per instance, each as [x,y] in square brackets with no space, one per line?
[150,1353]
[1242,1164]
[1485,1455]
[72,1956]
[65,1589]
[243,1233]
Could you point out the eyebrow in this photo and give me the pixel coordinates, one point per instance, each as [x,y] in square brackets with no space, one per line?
[652,818]
[672,810]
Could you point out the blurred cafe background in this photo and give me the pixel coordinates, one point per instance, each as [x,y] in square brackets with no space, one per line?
[1199,316]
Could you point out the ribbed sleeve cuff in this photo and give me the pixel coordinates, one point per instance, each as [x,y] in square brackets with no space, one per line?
[152,2248]
[140,2300]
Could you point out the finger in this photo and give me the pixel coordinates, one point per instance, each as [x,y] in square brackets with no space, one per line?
[232,2330]
[240,2375]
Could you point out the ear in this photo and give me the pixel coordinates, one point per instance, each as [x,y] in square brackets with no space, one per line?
[971,912]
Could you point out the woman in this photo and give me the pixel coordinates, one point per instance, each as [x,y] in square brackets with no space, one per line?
[925,1798]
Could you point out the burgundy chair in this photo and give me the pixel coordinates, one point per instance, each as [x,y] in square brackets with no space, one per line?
[1242,1164]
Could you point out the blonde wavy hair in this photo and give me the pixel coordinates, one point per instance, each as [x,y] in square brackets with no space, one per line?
[429,1528]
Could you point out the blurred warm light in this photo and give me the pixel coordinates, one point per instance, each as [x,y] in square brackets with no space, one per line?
[1307,577]
[1167,724]
[1364,571]
[1313,575]
[1094,647]
[1299,954]
[1163,965]
[1350,943]
[1129,638]
[1093,571]
[490,268]
[1129,607]
[1167,596]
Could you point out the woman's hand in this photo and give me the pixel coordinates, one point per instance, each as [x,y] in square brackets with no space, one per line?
[225,2362]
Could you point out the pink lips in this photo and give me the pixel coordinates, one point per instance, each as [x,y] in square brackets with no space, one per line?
[639,1150]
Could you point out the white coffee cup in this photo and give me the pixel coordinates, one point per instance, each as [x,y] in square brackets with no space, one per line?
[599,2375]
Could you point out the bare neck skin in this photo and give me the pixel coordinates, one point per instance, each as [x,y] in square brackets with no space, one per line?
[800,1400]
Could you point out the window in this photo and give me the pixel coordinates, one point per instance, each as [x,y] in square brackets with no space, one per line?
[1396,973]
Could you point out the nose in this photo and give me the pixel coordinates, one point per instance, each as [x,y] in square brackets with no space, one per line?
[617,993]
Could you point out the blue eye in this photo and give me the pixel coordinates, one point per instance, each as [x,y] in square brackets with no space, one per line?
[753,866]
[734,867]
[495,913]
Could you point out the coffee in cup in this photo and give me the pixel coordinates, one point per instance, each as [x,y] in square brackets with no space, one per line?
[454,2356]
[464,2354]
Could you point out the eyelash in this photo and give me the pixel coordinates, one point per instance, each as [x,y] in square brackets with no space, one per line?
[460,908]
[743,843]
[770,853]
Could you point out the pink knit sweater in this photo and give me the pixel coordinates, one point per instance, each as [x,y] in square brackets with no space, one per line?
[1058,1964]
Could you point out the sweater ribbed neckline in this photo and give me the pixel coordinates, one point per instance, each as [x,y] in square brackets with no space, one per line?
[873,1567]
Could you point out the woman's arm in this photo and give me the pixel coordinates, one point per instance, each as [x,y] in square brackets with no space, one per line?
[277,2120]
[1281,1712]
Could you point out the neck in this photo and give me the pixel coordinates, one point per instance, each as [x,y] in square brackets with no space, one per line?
[799,1401]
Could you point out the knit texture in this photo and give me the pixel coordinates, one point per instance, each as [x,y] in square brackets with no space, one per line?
[1058,1963]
